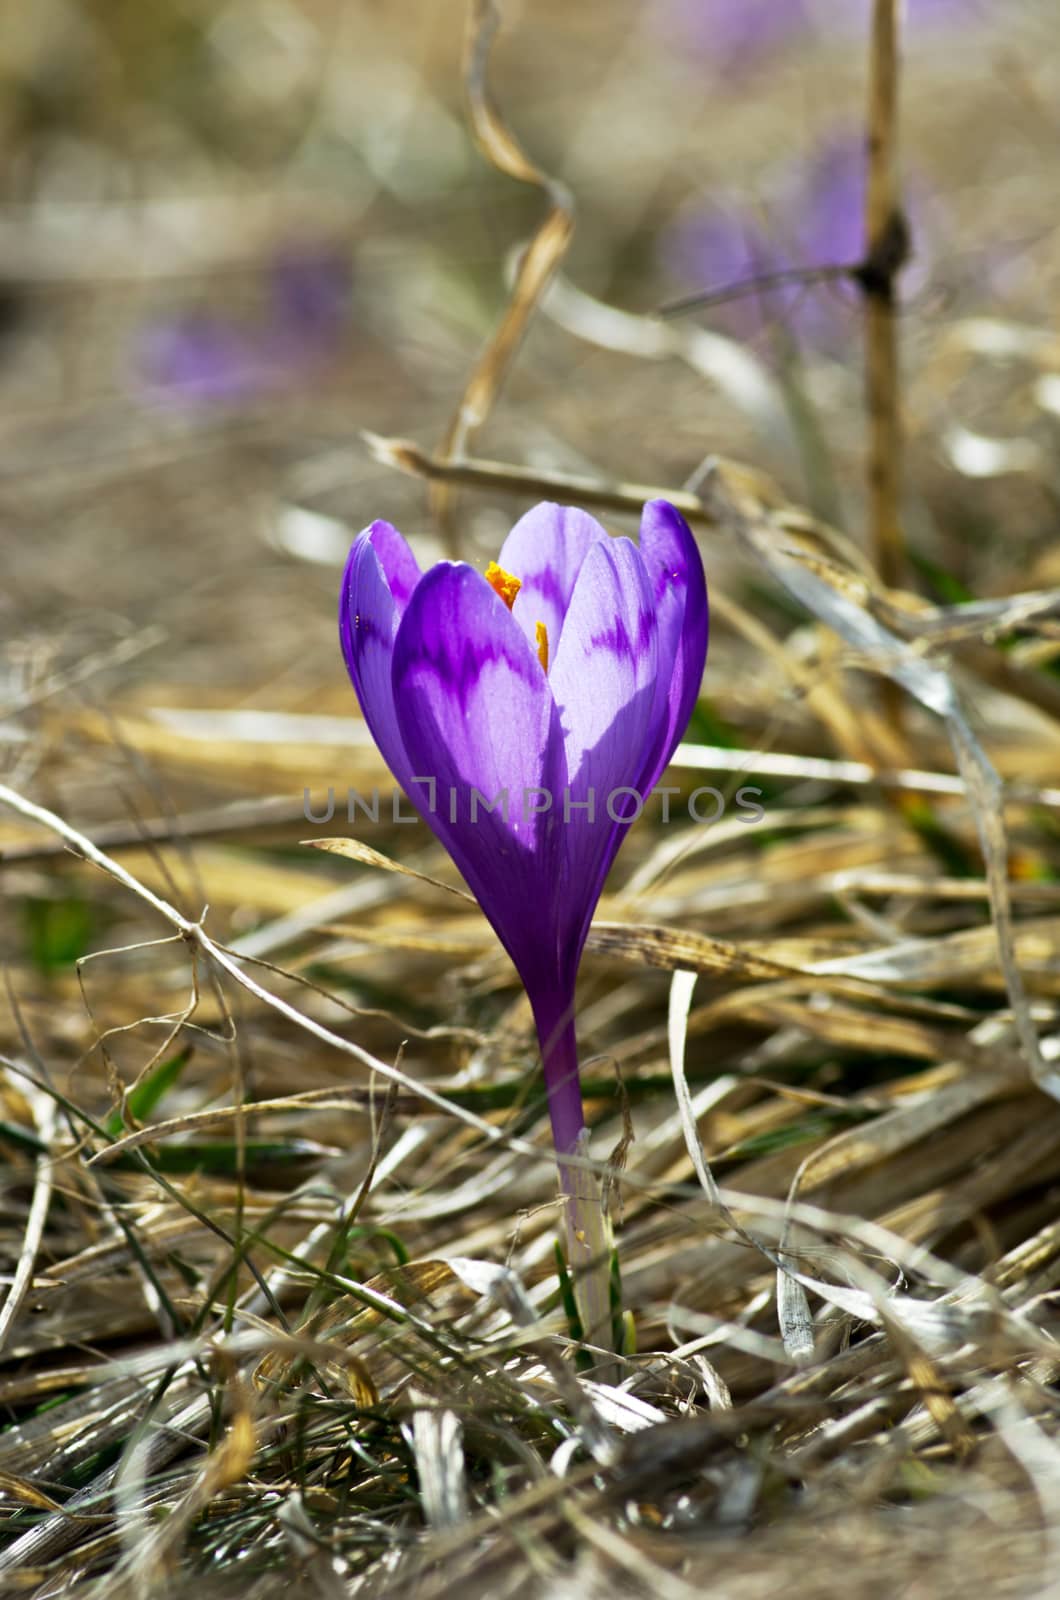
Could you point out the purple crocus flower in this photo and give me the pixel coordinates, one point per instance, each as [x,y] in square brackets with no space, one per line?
[720,248]
[198,359]
[528,713]
[201,358]
[815,218]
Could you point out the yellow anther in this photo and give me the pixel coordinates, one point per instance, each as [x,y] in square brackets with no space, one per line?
[505,583]
[541,640]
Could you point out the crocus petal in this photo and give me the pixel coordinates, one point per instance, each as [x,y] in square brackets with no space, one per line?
[474,711]
[380,575]
[603,679]
[400,567]
[679,593]
[545,551]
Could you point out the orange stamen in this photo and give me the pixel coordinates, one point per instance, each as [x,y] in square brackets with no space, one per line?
[505,583]
[541,640]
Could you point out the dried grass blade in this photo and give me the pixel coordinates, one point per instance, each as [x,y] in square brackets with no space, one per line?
[438,1445]
[539,261]
[44,1114]
[682,988]
[840,603]
[356,851]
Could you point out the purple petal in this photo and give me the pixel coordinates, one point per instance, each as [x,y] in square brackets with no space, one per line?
[400,567]
[380,575]
[816,219]
[679,590]
[603,679]
[545,551]
[474,711]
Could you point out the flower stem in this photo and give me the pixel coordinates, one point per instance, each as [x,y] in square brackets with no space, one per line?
[588,1234]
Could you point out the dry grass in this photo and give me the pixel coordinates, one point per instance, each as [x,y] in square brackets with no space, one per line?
[279,1305]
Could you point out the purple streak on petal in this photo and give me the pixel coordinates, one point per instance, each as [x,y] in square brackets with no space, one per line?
[380,575]
[603,678]
[606,659]
[679,589]
[474,710]
[545,551]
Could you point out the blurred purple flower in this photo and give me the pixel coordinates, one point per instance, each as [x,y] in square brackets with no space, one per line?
[735,35]
[199,357]
[827,202]
[310,291]
[815,218]
[918,12]
[720,249]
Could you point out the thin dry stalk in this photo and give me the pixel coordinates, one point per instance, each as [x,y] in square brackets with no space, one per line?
[886,249]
